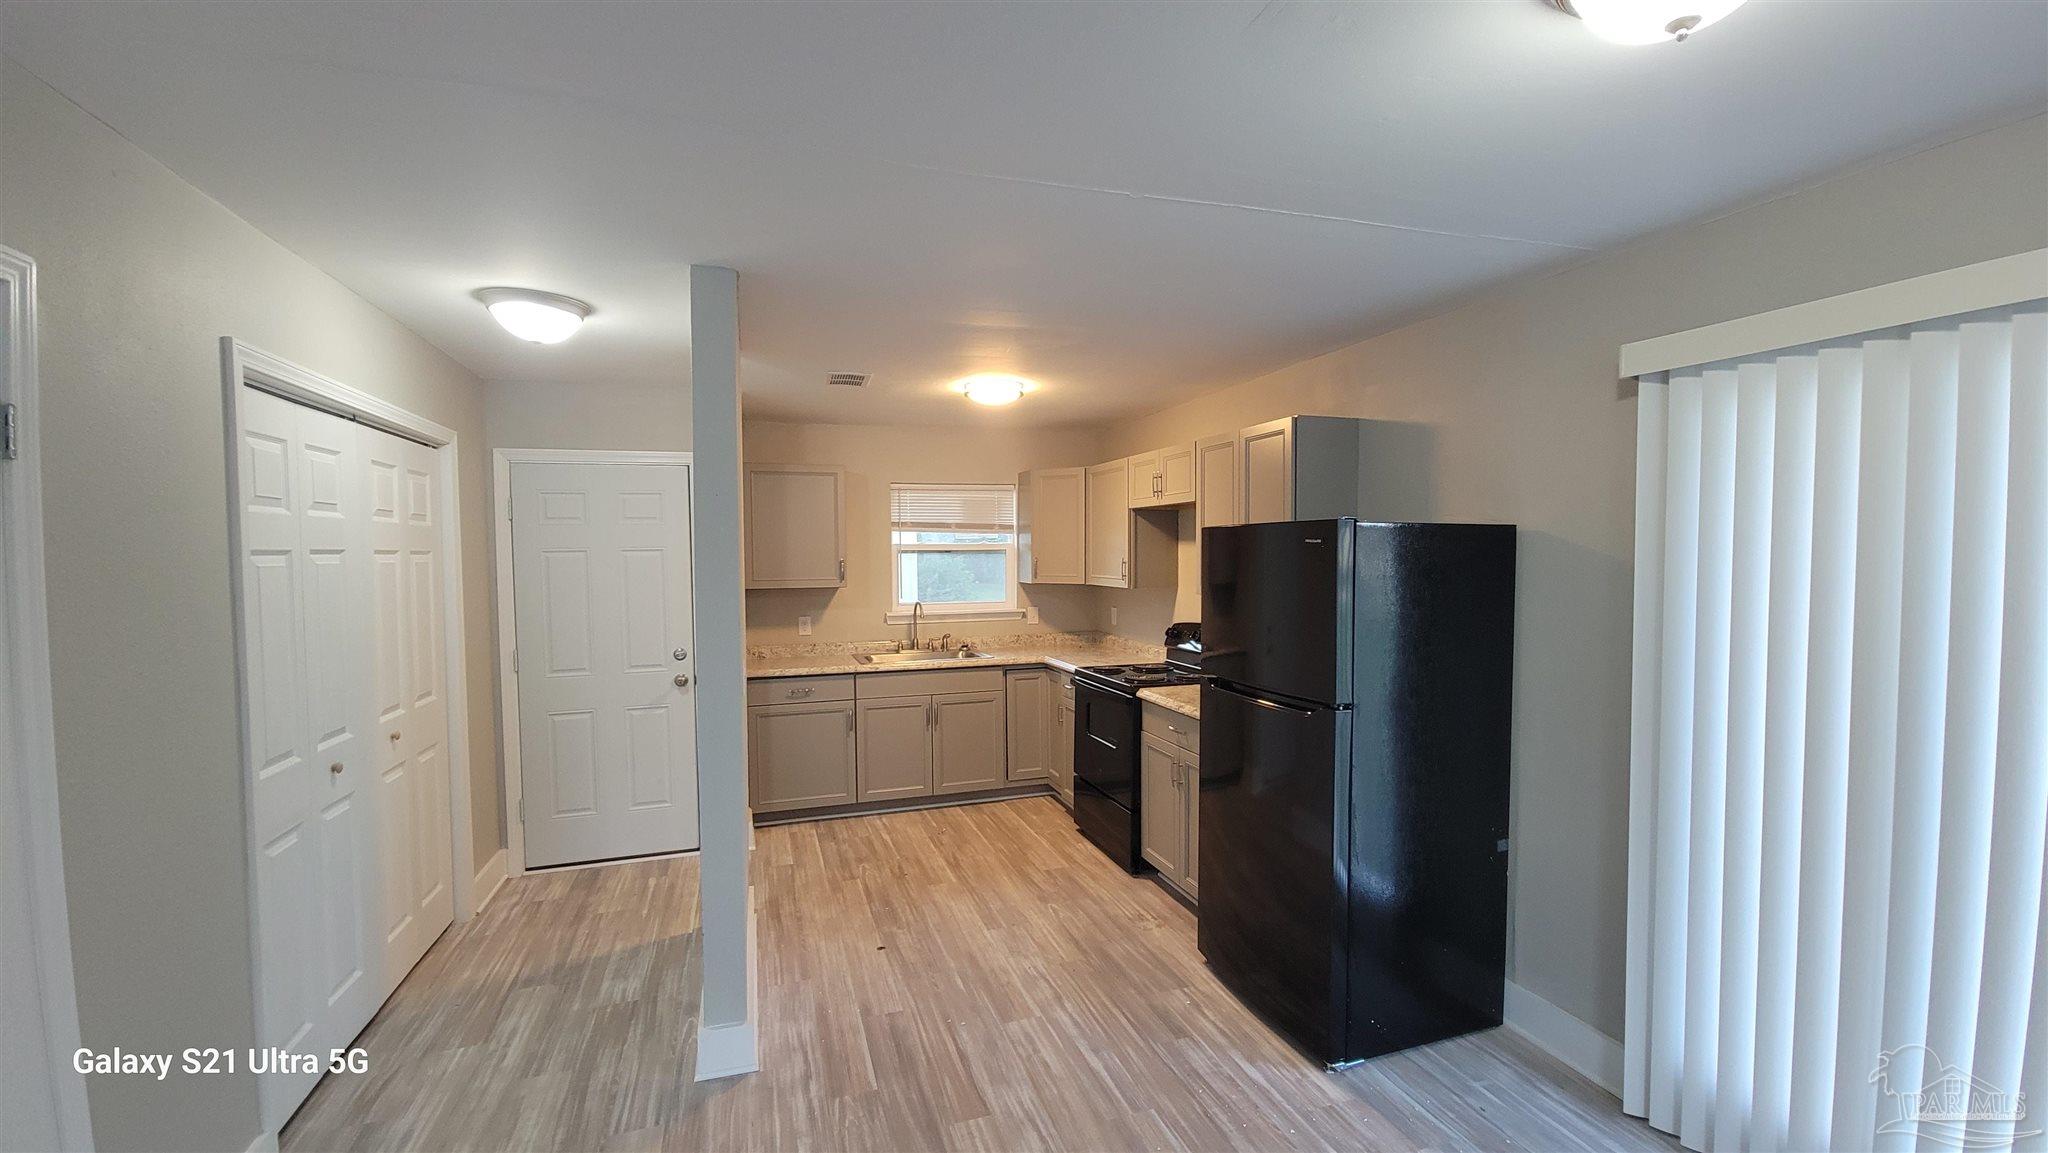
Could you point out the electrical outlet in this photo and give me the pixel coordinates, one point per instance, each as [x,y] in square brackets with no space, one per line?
[803,626]
[1112,616]
[1031,614]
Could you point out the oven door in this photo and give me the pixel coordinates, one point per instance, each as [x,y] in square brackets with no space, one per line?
[1106,743]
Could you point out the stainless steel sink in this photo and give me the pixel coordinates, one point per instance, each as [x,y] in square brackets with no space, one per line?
[920,657]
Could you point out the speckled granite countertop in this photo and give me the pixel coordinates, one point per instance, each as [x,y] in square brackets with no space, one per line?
[1062,651]
[1183,699]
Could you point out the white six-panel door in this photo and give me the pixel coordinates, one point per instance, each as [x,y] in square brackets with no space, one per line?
[607,734]
[351,836]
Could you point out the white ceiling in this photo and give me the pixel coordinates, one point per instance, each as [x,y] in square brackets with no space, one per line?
[1129,202]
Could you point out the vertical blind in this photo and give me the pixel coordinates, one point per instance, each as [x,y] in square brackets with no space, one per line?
[1839,748]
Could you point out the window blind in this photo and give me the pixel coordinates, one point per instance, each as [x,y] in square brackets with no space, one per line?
[953,507]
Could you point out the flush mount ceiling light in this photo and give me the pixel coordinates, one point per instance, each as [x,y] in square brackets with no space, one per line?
[1646,21]
[993,388]
[541,317]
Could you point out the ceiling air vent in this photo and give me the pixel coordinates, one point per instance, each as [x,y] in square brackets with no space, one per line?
[847,379]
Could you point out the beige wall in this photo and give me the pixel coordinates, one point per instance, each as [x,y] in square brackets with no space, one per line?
[874,456]
[140,275]
[1512,412]
[653,416]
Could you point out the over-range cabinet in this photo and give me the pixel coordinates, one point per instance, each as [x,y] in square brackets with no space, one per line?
[1354,777]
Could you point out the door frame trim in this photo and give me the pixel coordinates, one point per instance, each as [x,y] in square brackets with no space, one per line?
[243,365]
[25,668]
[503,596]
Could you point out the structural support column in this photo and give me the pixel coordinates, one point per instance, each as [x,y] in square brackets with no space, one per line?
[727,1019]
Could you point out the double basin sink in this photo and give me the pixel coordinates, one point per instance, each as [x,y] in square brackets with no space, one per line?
[920,657]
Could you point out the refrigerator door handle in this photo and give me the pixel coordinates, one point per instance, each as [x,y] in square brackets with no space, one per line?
[1266,702]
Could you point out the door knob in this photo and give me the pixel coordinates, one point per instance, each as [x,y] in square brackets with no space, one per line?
[682,654]
[682,679]
[335,768]
[395,734]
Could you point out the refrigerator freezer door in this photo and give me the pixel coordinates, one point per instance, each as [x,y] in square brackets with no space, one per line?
[1272,920]
[1276,608]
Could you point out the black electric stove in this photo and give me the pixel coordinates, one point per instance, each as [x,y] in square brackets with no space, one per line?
[1106,735]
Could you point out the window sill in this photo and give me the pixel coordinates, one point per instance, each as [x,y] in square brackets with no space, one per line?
[903,618]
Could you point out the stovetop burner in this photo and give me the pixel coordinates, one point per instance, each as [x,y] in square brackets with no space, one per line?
[1138,676]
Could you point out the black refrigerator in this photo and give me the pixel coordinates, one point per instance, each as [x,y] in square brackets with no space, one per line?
[1354,777]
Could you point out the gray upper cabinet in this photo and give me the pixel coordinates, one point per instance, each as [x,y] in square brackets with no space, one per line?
[895,747]
[1300,468]
[1030,695]
[1052,526]
[1266,462]
[1109,515]
[800,756]
[1177,474]
[1163,477]
[968,741]
[1216,481]
[795,526]
[1141,479]
[1127,547]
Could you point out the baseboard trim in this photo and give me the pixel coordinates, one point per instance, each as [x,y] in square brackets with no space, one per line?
[726,1050]
[265,1142]
[1594,1054]
[905,805]
[488,880]
[732,1049]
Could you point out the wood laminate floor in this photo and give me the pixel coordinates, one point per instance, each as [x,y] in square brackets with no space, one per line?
[974,978]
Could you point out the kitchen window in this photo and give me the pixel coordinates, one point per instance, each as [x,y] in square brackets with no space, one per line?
[953,549]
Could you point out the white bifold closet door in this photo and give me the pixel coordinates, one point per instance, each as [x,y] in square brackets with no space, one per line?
[346,726]
[1839,769]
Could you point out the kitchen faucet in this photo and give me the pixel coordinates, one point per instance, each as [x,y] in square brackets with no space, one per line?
[916,607]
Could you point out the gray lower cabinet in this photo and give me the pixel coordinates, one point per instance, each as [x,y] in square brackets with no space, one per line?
[1063,737]
[896,747]
[800,756]
[968,741]
[1170,783]
[1163,814]
[1191,787]
[1030,724]
[825,741]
